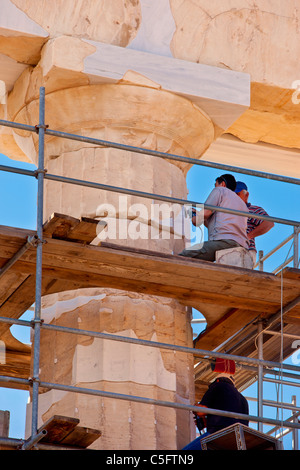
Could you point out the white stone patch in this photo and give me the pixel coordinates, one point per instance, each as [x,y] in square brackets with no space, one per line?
[14,19]
[221,94]
[235,257]
[3,92]
[105,310]
[157,28]
[121,362]
[62,306]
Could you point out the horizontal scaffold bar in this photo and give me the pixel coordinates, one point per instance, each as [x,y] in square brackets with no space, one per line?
[153,153]
[143,342]
[151,401]
[142,194]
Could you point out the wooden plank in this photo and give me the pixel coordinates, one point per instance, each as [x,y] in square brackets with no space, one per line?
[185,295]
[4,428]
[179,272]
[18,302]
[175,263]
[17,365]
[140,265]
[86,231]
[58,427]
[187,272]
[9,282]
[64,431]
[294,320]
[17,359]
[191,282]
[224,328]
[81,437]
[14,235]
[59,225]
[229,324]
[63,227]
[4,423]
[12,343]
[239,437]
[291,273]
[128,278]
[105,264]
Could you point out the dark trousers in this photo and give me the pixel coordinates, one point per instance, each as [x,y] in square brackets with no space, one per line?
[207,250]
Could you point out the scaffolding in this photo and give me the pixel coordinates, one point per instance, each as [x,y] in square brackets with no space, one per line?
[259,365]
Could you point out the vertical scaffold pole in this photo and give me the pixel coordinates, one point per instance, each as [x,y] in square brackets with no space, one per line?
[296,247]
[295,441]
[260,375]
[39,252]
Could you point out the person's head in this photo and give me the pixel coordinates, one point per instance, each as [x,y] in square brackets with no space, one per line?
[226,376]
[227,180]
[242,191]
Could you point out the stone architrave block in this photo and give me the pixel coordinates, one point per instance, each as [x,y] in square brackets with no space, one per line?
[235,257]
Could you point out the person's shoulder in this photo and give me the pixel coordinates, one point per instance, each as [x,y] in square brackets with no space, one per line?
[221,191]
[215,195]
[228,192]
[235,200]
[256,209]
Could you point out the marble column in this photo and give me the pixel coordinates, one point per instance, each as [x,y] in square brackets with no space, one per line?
[139,116]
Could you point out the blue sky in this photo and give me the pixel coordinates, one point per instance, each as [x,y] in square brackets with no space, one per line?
[18,208]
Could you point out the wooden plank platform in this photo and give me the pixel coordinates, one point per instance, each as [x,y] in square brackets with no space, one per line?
[63,227]
[65,431]
[228,296]
[240,437]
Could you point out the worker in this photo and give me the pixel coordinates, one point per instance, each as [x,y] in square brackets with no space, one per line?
[255,227]
[224,230]
[221,395]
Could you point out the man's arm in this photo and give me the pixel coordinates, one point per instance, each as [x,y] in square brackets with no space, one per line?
[261,229]
[203,216]
[200,217]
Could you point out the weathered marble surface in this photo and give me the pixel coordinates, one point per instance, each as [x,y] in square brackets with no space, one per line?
[260,38]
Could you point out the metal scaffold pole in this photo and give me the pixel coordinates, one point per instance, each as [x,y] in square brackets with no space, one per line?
[39,252]
[296,247]
[260,374]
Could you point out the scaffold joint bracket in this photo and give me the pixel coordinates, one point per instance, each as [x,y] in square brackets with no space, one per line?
[34,241]
[38,171]
[32,380]
[33,322]
[40,126]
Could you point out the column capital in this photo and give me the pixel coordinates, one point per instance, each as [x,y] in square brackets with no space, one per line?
[157,102]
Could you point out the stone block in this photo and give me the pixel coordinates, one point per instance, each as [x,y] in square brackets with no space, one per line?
[4,423]
[235,257]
